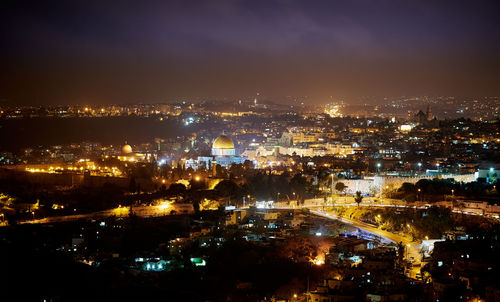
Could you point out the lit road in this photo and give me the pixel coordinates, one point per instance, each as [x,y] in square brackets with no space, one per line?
[412,248]
[141,211]
[365,226]
[400,205]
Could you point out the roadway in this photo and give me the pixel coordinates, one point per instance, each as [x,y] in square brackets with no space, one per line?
[141,211]
[412,247]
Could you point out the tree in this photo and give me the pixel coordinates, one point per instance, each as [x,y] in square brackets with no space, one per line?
[176,189]
[300,249]
[407,187]
[340,186]
[227,188]
[132,187]
[299,186]
[358,198]
[237,170]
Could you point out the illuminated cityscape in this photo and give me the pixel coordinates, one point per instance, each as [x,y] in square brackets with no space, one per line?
[250,151]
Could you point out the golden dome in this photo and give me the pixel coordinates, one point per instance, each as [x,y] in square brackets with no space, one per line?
[223,142]
[127,149]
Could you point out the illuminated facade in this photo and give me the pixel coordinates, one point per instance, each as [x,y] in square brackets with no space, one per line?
[224,152]
[223,146]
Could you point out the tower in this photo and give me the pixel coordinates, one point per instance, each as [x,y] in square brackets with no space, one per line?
[428,113]
[214,168]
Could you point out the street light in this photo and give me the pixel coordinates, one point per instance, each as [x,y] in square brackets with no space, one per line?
[333,176]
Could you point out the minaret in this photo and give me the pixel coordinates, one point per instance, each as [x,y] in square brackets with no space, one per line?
[214,168]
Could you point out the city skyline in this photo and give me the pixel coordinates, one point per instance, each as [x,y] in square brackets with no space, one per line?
[255,151]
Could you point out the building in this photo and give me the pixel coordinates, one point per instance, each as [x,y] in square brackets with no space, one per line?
[223,146]
[127,154]
[224,152]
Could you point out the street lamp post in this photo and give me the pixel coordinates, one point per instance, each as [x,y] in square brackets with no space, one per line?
[332,187]
[409,230]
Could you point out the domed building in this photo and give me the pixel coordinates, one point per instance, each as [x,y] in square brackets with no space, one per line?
[127,154]
[224,152]
[126,149]
[223,146]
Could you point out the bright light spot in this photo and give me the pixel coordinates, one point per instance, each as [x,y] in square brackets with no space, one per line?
[318,260]
[405,128]
[165,205]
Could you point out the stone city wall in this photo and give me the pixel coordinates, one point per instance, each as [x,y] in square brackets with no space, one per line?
[378,184]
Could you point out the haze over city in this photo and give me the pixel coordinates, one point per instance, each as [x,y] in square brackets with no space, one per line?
[92,52]
[253,151]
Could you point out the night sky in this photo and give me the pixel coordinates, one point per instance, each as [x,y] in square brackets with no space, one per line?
[154,51]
